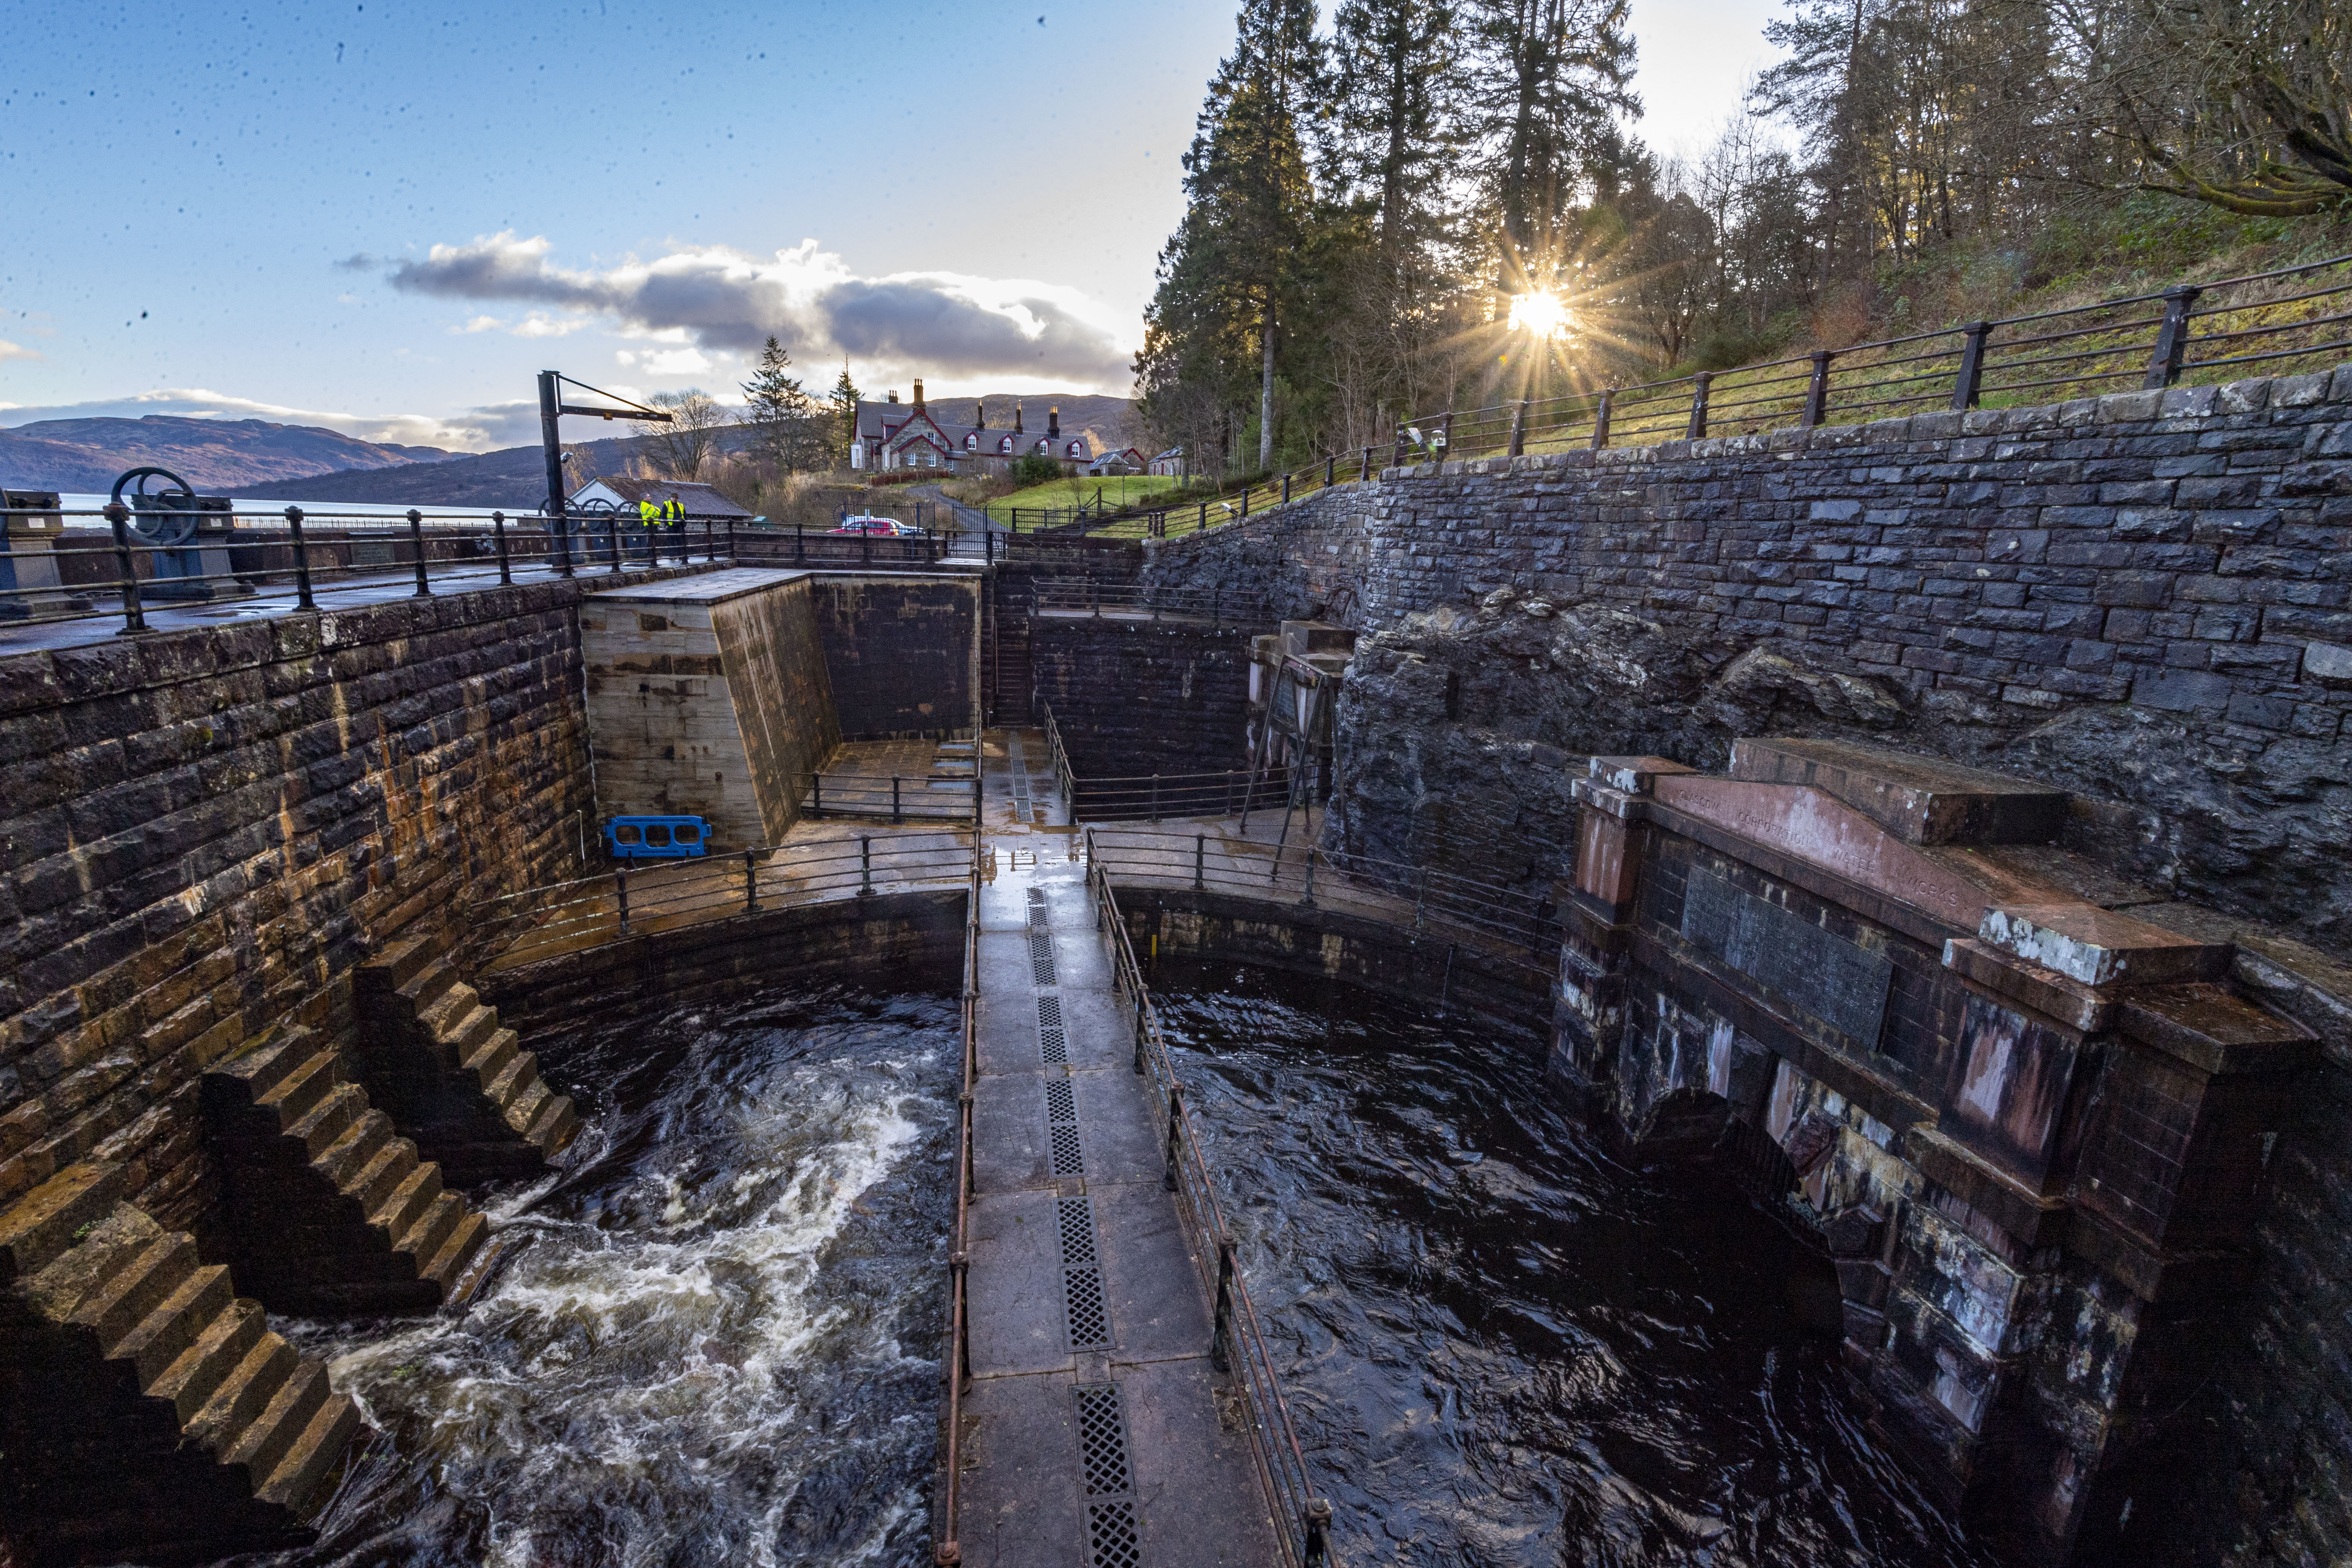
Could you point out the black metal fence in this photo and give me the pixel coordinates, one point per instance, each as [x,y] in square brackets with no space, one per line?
[892,798]
[955,1366]
[1237,1348]
[1230,791]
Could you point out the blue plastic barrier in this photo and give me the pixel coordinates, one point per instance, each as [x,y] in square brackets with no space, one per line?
[655,837]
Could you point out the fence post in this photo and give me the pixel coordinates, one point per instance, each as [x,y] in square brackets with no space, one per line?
[750,884]
[800,543]
[864,546]
[135,618]
[1245,490]
[975,788]
[1971,377]
[730,542]
[1817,390]
[1600,419]
[1219,1357]
[621,895]
[1309,899]
[1203,526]
[2172,337]
[417,540]
[1519,429]
[506,557]
[1155,800]
[1200,858]
[817,795]
[1330,470]
[1175,1130]
[1138,1024]
[1699,384]
[895,816]
[865,865]
[1286,489]
[1445,436]
[302,599]
[1400,449]
[1318,1534]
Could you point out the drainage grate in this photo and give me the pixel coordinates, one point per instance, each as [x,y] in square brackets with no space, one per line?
[1102,1440]
[1082,1288]
[1069,1158]
[1053,1046]
[1041,956]
[1061,1100]
[1112,1540]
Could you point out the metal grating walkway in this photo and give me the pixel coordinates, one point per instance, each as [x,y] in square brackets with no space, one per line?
[1093,1434]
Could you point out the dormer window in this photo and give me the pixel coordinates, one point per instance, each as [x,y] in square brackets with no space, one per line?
[1005,443]
[971,443]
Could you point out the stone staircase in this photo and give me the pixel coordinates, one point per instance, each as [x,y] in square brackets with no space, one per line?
[147,1412]
[435,1057]
[330,1213]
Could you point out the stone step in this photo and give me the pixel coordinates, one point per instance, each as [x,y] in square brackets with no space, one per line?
[521,1068]
[556,1127]
[456,1252]
[456,1000]
[244,1394]
[528,1101]
[301,1476]
[38,1228]
[261,1069]
[298,1092]
[424,1238]
[158,1340]
[329,1119]
[400,961]
[373,1186]
[348,1160]
[197,1373]
[134,1288]
[271,1436]
[417,1193]
[465,1036]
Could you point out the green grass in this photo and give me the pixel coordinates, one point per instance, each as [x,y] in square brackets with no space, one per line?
[1056,494]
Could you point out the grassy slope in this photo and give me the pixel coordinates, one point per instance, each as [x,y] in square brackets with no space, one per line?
[1055,494]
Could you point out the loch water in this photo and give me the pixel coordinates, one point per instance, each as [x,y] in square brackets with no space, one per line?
[718,1341]
[1500,1344]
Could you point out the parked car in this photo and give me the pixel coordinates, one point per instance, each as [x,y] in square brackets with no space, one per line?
[883,526]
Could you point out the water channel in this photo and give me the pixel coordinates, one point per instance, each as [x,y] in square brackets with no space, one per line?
[1504,1348]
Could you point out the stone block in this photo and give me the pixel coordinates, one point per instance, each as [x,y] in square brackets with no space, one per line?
[2100,947]
[1920,800]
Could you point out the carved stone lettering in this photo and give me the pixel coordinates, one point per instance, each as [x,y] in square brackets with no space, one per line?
[1827,977]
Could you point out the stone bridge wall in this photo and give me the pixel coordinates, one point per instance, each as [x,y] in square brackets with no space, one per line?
[2145,598]
[206,831]
[1133,697]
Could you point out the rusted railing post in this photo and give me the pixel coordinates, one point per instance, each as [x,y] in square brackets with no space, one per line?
[1600,419]
[1175,1130]
[1203,526]
[750,883]
[506,557]
[1155,800]
[1970,381]
[2172,337]
[1330,470]
[865,865]
[1220,1356]
[417,540]
[817,795]
[302,600]
[1519,429]
[1699,385]
[1286,489]
[1309,899]
[620,896]
[135,618]
[896,814]
[1201,854]
[612,538]
[1817,390]
[1318,1534]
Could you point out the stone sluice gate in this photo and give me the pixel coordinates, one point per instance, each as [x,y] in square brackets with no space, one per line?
[1937,827]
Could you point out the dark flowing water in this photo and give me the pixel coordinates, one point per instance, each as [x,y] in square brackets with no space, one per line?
[720,1344]
[1500,1346]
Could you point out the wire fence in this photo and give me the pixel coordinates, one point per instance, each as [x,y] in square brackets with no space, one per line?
[1237,1349]
[563,917]
[1521,928]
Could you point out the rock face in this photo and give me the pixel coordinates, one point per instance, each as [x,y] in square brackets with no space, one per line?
[2145,599]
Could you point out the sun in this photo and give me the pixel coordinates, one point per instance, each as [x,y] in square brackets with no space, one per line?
[1541,313]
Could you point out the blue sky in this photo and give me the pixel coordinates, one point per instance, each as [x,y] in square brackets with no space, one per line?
[386,217]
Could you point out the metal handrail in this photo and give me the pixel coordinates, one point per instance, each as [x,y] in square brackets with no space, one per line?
[1237,1347]
[956,1364]
[879,795]
[1229,792]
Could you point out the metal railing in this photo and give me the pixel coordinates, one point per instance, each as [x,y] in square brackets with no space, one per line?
[1088,597]
[2144,342]
[956,1364]
[802,546]
[563,917]
[1521,928]
[114,565]
[1232,791]
[893,797]
[1237,1347]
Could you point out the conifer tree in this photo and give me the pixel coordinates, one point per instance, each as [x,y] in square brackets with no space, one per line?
[842,408]
[780,412]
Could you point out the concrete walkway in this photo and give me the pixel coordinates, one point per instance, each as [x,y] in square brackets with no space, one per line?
[1096,1436]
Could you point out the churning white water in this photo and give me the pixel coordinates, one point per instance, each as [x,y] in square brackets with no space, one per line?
[719,1341]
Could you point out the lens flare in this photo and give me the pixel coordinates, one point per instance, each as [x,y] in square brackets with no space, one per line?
[1541,313]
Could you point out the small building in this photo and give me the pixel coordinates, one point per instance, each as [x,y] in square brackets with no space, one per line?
[894,435]
[1169,462]
[623,494]
[1125,460]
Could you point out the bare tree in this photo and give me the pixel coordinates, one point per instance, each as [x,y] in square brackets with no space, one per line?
[682,448]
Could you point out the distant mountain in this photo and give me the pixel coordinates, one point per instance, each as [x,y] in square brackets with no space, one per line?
[216,456]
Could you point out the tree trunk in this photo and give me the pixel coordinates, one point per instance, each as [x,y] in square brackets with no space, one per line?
[1266,395]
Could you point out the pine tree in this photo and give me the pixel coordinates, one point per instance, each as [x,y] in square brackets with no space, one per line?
[842,407]
[781,414]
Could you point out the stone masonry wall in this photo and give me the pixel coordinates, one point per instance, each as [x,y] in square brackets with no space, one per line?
[1136,697]
[2145,598]
[206,831]
[902,652]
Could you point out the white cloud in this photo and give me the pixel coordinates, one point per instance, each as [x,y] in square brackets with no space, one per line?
[540,324]
[955,326]
[9,351]
[483,324]
[479,429]
[667,362]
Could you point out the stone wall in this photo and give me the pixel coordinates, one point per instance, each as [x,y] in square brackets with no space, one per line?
[902,652]
[1133,697]
[208,830]
[2145,598]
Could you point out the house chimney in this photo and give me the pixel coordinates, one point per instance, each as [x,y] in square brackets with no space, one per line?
[1053,422]
[1016,419]
[980,416]
[918,394]
[894,397]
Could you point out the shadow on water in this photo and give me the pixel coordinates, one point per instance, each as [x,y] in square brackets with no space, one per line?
[1500,1345]
[719,1344]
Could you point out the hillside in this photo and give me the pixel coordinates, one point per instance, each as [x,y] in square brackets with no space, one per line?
[217,455]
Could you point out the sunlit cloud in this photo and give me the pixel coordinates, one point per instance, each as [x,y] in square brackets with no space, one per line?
[954,326]
[9,351]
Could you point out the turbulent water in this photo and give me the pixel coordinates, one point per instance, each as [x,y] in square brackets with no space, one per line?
[718,1346]
[1500,1347]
